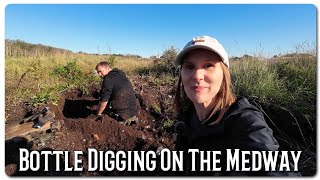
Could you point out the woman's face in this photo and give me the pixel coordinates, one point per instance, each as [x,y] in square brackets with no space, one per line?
[201,75]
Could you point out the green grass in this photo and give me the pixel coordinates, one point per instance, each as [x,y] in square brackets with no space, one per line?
[290,83]
[255,78]
[300,87]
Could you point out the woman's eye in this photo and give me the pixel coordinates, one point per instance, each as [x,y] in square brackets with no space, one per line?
[188,66]
[208,65]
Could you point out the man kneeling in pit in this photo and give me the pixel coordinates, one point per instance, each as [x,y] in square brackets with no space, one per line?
[117,96]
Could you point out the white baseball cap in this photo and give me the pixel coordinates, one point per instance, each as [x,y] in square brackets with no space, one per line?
[204,42]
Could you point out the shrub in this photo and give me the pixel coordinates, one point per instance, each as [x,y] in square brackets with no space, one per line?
[74,77]
[112,61]
[70,73]
[163,65]
[43,98]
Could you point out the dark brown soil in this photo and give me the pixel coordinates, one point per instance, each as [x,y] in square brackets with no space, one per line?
[81,131]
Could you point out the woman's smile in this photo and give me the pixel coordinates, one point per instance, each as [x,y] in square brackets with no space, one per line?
[197,88]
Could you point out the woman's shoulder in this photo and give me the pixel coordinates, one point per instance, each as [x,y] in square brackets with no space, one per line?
[246,123]
[242,107]
[242,102]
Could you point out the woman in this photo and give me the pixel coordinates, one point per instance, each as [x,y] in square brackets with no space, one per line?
[210,116]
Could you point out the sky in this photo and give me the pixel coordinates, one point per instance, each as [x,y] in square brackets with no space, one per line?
[150,29]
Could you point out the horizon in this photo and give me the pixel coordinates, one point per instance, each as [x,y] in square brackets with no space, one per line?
[129,54]
[144,30]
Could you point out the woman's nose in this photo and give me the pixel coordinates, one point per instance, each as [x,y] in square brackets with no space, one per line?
[198,74]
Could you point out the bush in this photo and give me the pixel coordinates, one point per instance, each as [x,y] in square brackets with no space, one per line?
[74,77]
[70,73]
[43,98]
[163,65]
[112,60]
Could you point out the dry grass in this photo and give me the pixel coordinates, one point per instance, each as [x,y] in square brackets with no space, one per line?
[25,76]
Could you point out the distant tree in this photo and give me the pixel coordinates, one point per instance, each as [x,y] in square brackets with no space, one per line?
[235,58]
[169,54]
[19,48]
[246,56]
[166,61]
[153,57]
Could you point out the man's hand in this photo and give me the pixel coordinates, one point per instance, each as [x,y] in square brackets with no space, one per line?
[99,117]
[102,107]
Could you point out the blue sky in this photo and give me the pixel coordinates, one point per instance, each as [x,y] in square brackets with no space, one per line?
[148,30]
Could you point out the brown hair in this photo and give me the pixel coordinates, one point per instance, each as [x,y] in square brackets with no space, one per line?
[224,98]
[103,63]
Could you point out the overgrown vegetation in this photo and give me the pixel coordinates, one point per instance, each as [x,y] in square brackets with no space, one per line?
[44,97]
[254,78]
[283,86]
[300,84]
[36,74]
[74,77]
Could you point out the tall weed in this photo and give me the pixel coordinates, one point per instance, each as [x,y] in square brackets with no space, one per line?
[256,78]
[300,83]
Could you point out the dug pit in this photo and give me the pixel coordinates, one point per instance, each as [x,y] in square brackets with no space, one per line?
[80,131]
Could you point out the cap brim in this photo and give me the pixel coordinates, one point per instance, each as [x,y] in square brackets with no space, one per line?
[179,57]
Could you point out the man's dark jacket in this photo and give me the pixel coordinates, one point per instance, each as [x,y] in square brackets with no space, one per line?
[118,91]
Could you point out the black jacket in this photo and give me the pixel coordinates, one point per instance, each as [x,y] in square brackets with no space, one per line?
[118,91]
[242,127]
